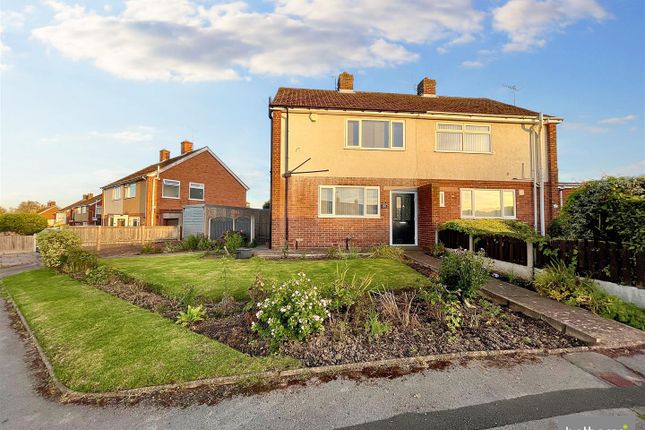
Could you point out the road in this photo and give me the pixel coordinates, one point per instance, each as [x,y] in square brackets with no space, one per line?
[477,395]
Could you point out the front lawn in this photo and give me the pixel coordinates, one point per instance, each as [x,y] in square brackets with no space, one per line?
[214,278]
[97,342]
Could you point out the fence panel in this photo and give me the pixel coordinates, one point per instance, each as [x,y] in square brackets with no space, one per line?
[100,236]
[454,239]
[502,248]
[15,243]
[607,261]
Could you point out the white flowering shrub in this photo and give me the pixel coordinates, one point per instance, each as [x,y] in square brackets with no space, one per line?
[291,311]
[55,247]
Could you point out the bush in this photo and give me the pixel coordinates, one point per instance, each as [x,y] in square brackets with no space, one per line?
[559,282]
[192,315]
[55,246]
[387,251]
[343,293]
[22,223]
[79,261]
[491,227]
[374,327]
[196,242]
[101,275]
[611,209]
[463,273]
[231,241]
[436,249]
[292,310]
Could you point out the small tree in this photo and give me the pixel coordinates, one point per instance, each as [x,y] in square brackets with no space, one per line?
[22,223]
[29,207]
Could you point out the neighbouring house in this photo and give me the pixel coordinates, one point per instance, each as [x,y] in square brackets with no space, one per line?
[369,168]
[86,211]
[156,194]
[49,212]
[565,189]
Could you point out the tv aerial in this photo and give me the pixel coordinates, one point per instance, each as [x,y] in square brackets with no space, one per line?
[514,89]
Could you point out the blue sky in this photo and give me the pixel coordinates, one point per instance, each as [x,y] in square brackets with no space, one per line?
[91,90]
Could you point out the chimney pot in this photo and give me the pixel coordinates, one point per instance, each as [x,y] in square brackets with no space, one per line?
[186,146]
[345,82]
[427,88]
[164,154]
[51,203]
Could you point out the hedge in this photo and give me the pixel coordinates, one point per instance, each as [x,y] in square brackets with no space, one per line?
[22,223]
[491,227]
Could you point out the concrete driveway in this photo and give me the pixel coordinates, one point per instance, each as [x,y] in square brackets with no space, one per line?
[476,395]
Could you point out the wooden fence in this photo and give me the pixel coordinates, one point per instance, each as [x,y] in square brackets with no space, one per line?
[10,244]
[606,261]
[99,236]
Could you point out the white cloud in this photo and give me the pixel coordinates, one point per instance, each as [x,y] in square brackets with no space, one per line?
[139,134]
[529,23]
[619,120]
[185,40]
[633,169]
[125,136]
[591,128]
[472,64]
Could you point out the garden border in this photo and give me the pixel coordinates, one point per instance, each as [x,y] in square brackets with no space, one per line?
[414,364]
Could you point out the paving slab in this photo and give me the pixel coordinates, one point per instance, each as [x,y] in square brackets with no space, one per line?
[635,362]
[575,321]
[606,368]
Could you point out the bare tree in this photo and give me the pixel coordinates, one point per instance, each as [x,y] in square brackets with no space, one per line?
[29,206]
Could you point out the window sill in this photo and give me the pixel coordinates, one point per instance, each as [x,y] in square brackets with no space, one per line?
[196,200]
[350,216]
[360,148]
[489,217]
[172,198]
[464,152]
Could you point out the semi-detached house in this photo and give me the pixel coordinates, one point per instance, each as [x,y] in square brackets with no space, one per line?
[389,168]
[156,194]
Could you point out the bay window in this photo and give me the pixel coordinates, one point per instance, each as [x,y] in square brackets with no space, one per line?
[487,203]
[455,137]
[375,134]
[348,201]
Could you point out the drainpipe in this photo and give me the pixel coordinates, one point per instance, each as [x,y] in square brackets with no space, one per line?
[542,217]
[535,179]
[286,181]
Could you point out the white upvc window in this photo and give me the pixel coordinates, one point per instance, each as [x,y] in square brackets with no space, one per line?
[346,201]
[442,199]
[116,193]
[130,190]
[375,134]
[485,203]
[170,189]
[134,221]
[83,209]
[457,137]
[195,191]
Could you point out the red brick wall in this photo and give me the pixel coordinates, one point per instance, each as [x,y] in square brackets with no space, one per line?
[312,231]
[277,183]
[552,195]
[221,188]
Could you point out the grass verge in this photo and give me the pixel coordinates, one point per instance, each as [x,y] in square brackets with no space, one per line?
[213,278]
[97,342]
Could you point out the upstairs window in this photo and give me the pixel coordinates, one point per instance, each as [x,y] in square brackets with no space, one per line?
[196,191]
[170,189]
[455,137]
[375,134]
[116,193]
[130,191]
[349,202]
[487,203]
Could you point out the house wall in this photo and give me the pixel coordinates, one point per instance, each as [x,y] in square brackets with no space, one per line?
[324,141]
[221,188]
[136,206]
[110,206]
[418,167]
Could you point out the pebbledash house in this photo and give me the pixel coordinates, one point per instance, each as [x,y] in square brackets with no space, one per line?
[365,168]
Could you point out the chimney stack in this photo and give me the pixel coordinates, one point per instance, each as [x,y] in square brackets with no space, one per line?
[186,147]
[427,88]
[345,83]
[164,154]
[51,203]
[88,196]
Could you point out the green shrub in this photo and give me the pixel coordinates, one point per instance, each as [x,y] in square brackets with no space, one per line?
[343,293]
[333,253]
[231,241]
[55,246]
[559,282]
[436,249]
[610,209]
[374,327]
[292,310]
[491,227]
[463,273]
[79,261]
[101,275]
[192,315]
[197,242]
[22,223]
[387,251]
[150,248]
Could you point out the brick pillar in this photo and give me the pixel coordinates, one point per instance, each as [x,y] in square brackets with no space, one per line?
[551,185]
[277,182]
[426,232]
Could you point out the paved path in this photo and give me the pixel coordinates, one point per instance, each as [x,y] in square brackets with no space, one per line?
[461,396]
[18,259]
[572,320]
